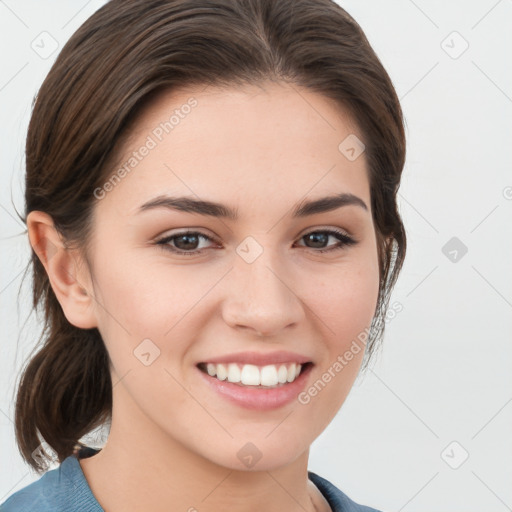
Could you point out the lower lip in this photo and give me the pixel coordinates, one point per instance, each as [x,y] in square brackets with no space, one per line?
[260,399]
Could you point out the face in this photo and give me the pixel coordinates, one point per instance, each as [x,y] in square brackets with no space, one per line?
[270,281]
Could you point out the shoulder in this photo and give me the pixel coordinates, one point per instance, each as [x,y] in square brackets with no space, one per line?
[337,499]
[59,489]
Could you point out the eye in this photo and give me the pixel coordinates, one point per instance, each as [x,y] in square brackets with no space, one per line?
[186,242]
[320,237]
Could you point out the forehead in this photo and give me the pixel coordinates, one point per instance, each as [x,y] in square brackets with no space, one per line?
[239,146]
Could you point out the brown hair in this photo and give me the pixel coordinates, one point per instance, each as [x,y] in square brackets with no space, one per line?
[119,59]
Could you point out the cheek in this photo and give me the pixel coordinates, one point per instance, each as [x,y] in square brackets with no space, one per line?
[144,296]
[344,299]
[139,301]
[344,306]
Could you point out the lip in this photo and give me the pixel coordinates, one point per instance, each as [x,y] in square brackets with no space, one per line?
[255,398]
[260,358]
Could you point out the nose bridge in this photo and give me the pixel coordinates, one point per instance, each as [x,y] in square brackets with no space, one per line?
[259,295]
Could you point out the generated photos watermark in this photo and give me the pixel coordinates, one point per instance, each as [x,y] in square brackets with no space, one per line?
[344,359]
[152,140]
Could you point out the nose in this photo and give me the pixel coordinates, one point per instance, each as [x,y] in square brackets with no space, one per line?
[260,297]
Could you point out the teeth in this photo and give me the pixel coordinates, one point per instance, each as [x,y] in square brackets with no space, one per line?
[222,373]
[269,375]
[282,374]
[291,373]
[251,375]
[234,373]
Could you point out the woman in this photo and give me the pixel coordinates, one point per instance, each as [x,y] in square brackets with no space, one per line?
[211,202]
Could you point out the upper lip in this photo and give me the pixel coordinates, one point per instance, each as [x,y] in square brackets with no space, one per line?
[260,358]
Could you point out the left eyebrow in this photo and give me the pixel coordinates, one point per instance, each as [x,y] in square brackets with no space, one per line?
[213,209]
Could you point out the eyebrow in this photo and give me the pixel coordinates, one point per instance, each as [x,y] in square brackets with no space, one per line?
[213,209]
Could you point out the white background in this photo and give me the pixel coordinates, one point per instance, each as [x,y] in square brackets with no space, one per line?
[444,374]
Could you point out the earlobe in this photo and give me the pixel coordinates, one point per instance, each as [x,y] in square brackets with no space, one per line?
[69,280]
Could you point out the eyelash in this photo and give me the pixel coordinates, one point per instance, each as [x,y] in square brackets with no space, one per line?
[342,237]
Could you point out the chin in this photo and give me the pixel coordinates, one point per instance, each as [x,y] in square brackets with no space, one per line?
[259,454]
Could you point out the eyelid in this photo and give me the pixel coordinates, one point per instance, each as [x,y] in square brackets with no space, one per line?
[345,240]
[325,228]
[183,231]
[205,232]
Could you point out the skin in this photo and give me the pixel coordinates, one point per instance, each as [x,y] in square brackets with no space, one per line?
[173,442]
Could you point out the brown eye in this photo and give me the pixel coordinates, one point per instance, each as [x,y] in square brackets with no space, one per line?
[184,243]
[318,239]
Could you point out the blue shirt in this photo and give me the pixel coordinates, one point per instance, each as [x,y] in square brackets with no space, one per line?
[65,489]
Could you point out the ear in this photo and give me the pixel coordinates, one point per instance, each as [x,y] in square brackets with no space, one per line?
[69,277]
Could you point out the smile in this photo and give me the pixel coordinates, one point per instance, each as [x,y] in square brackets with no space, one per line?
[268,376]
